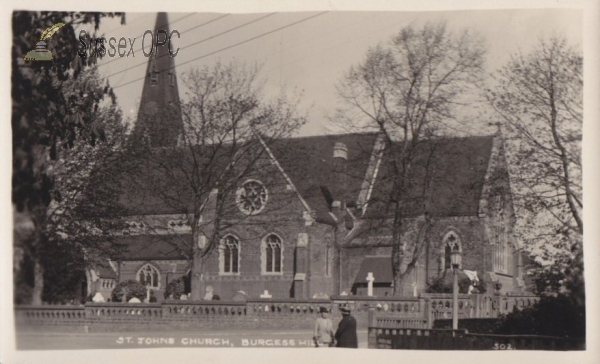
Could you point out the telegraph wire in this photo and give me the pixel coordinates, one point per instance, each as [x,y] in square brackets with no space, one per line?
[234,45]
[196,43]
[160,26]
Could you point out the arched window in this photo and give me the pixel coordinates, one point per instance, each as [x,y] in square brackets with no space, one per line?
[501,253]
[502,256]
[230,255]
[272,254]
[148,275]
[450,242]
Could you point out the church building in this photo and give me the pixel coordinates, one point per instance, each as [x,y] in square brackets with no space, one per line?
[312,219]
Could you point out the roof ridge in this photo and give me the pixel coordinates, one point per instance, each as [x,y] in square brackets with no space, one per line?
[330,135]
[377,133]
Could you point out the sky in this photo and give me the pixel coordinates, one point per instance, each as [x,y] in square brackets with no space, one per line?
[311,51]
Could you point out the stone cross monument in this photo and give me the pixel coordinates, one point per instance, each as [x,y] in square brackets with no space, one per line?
[370,280]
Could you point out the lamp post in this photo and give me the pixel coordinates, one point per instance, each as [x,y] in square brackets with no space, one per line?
[455,258]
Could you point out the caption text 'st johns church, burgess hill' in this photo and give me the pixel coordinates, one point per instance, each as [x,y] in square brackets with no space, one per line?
[310,217]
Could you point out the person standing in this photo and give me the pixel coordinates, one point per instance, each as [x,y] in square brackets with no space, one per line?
[323,335]
[346,336]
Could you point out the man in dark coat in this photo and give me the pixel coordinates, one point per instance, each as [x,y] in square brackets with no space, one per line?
[345,336]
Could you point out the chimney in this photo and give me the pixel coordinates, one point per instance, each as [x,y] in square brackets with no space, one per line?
[339,183]
[340,151]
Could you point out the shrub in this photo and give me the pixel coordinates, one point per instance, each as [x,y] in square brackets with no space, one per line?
[177,288]
[133,289]
[552,316]
[444,284]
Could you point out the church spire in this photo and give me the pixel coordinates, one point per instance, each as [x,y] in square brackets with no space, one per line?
[159,118]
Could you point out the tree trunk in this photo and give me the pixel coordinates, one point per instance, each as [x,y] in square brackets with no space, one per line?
[196,282]
[397,259]
[38,282]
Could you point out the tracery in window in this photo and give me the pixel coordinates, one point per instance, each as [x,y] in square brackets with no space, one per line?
[148,275]
[272,254]
[230,255]
[252,197]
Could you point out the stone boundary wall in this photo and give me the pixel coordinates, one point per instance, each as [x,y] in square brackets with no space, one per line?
[258,313]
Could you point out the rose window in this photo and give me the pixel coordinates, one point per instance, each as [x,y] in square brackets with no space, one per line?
[252,197]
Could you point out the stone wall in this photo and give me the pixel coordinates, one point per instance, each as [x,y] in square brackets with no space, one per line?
[263,313]
[213,315]
[471,234]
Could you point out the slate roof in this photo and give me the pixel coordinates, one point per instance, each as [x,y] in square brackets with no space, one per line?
[379,265]
[143,178]
[154,247]
[106,272]
[308,162]
[456,169]
[456,166]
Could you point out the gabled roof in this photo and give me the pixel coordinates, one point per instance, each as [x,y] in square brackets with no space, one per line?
[106,272]
[154,247]
[456,170]
[159,183]
[308,161]
[455,167]
[378,265]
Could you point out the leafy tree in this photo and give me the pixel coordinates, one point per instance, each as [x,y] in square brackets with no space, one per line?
[539,97]
[227,121]
[44,120]
[553,316]
[408,90]
[129,289]
[177,288]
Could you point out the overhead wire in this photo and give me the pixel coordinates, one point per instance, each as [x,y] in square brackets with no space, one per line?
[159,27]
[196,43]
[233,45]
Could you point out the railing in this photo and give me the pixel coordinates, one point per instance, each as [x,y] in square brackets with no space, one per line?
[203,309]
[40,314]
[441,307]
[123,311]
[286,307]
[396,322]
[385,312]
[436,339]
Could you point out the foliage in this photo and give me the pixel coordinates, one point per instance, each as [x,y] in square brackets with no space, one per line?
[45,119]
[553,316]
[564,276]
[444,284]
[64,273]
[177,288]
[131,289]
[408,91]
[539,97]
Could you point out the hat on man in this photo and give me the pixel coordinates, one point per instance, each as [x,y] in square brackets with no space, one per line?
[345,310]
[323,309]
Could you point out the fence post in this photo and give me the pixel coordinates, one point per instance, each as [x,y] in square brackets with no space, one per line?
[371,316]
[427,312]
